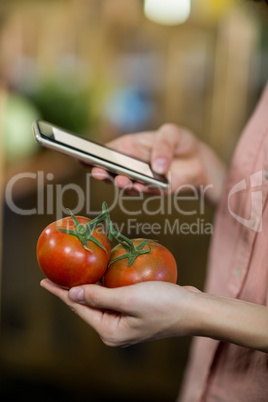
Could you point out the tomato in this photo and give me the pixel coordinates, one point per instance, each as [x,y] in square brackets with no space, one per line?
[67,257]
[155,263]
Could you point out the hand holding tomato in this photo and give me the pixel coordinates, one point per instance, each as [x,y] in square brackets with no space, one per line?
[127,315]
[75,251]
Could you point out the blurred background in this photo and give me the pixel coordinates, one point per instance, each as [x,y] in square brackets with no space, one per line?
[102,68]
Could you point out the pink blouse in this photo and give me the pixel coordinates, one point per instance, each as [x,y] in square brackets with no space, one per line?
[238,268]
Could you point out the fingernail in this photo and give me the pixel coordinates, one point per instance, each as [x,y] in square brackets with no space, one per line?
[77,294]
[160,165]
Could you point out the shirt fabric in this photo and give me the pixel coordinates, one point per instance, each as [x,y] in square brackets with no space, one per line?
[238,268]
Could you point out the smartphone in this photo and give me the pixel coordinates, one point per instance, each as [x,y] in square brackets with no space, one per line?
[95,154]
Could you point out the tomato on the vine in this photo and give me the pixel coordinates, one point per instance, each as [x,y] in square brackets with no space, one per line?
[139,260]
[75,250]
[71,253]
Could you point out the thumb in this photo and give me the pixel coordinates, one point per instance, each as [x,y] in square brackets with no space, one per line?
[99,297]
[166,140]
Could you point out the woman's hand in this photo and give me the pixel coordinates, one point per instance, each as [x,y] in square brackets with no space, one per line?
[128,315]
[172,149]
[152,310]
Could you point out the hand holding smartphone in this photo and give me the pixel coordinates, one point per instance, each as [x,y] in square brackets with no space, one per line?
[95,154]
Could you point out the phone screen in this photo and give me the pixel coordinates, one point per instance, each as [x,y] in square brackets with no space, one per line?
[96,151]
[102,152]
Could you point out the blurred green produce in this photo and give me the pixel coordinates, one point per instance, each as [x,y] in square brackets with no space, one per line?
[17,128]
[63,102]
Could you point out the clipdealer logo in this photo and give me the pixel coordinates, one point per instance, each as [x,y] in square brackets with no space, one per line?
[181,212]
[255,221]
[186,200]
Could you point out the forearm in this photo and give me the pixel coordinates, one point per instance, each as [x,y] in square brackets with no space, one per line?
[231,320]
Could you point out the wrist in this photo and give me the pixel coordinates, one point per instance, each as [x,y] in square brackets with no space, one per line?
[191,313]
[208,313]
[200,314]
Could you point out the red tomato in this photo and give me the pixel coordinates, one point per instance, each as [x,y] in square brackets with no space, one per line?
[64,260]
[157,265]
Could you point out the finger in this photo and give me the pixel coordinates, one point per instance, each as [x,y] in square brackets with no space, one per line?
[102,298]
[123,182]
[99,174]
[120,181]
[56,290]
[64,295]
[167,138]
[140,188]
[186,174]
[133,188]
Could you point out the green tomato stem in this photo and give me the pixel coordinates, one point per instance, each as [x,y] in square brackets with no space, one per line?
[84,234]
